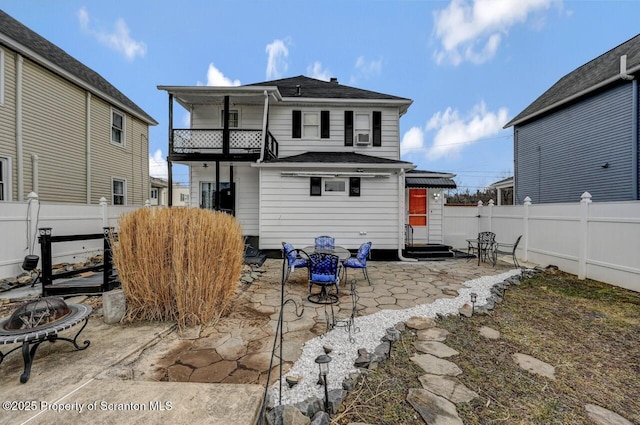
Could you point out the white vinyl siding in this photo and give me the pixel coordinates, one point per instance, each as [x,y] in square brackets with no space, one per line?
[289,213]
[280,124]
[210,117]
[246,187]
[2,77]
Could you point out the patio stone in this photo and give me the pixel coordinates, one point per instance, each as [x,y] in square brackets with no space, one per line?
[435,410]
[390,307]
[489,333]
[419,323]
[213,373]
[436,348]
[534,365]
[199,358]
[433,334]
[232,349]
[435,365]
[602,416]
[179,373]
[386,300]
[448,388]
[258,361]
[242,376]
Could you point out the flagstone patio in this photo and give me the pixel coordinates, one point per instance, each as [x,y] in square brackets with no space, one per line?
[238,348]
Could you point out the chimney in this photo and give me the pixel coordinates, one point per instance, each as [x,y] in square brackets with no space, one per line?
[333,80]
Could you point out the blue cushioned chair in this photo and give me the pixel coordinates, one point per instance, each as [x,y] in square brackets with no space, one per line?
[359,261]
[325,242]
[293,260]
[324,271]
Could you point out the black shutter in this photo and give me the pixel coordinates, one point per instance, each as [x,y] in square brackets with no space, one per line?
[377,128]
[316,186]
[297,124]
[324,124]
[348,128]
[354,186]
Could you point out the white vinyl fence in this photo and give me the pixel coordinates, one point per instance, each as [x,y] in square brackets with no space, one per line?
[599,241]
[20,221]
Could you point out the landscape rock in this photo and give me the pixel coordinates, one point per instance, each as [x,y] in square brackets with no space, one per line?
[435,365]
[466,310]
[310,406]
[436,348]
[435,410]
[448,388]
[602,416]
[433,334]
[420,323]
[321,418]
[335,399]
[534,365]
[489,333]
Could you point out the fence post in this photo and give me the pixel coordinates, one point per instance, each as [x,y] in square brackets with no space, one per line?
[491,203]
[32,224]
[583,240]
[525,224]
[104,212]
[479,220]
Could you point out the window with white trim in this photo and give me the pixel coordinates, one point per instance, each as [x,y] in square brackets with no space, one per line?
[311,125]
[234,118]
[362,129]
[118,191]
[117,127]
[5,179]
[335,186]
[184,197]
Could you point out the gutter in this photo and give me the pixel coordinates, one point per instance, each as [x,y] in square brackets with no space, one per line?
[401,218]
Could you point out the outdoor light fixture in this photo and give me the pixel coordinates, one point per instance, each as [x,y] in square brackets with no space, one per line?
[393,335]
[436,195]
[323,366]
[474,297]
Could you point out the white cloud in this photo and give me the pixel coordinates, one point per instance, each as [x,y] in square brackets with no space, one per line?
[453,132]
[277,59]
[473,29]
[412,141]
[215,77]
[365,69]
[158,165]
[316,71]
[118,39]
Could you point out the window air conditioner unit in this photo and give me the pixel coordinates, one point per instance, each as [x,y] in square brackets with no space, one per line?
[362,139]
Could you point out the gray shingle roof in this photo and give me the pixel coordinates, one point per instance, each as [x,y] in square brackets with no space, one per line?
[312,88]
[585,78]
[430,182]
[28,39]
[337,158]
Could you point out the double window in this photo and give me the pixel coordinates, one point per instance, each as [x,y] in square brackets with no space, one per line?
[154,193]
[118,191]
[117,127]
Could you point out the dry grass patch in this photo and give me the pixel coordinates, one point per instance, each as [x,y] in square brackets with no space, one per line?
[588,330]
[179,264]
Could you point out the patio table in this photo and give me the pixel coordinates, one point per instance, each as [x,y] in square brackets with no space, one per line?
[485,250]
[341,252]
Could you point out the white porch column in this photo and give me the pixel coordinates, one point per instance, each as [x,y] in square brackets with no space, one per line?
[583,238]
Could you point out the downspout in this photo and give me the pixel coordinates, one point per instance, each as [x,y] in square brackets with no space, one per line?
[634,141]
[19,150]
[265,117]
[88,150]
[35,171]
[401,215]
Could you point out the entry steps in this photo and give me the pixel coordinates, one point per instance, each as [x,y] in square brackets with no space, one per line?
[428,252]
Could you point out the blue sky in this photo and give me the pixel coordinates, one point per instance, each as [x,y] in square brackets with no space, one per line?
[468,65]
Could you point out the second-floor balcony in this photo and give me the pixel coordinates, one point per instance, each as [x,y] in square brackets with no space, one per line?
[204,144]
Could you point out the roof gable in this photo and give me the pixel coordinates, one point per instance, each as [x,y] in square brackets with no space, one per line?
[338,158]
[29,43]
[601,71]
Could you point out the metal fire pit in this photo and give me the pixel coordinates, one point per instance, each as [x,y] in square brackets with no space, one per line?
[34,322]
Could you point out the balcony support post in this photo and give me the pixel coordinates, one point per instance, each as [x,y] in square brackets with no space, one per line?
[169,166]
[225,129]
[216,205]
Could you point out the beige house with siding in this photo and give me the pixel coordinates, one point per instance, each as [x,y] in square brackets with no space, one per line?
[65,132]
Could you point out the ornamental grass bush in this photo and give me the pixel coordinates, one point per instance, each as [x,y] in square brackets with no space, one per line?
[181,264]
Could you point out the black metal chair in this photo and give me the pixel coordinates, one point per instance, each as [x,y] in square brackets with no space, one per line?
[324,271]
[506,249]
[484,245]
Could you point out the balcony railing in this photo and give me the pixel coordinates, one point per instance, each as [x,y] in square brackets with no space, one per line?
[211,141]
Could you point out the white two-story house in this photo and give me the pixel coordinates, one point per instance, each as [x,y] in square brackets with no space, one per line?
[297,158]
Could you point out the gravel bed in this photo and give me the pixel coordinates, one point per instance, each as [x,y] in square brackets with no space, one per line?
[370,329]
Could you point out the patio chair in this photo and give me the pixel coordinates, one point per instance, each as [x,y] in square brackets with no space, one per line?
[359,261]
[325,242]
[484,245]
[292,259]
[324,271]
[506,249]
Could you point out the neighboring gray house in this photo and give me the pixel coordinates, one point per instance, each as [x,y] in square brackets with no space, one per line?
[582,134]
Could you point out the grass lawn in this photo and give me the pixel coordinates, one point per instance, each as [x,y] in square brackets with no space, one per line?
[588,330]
